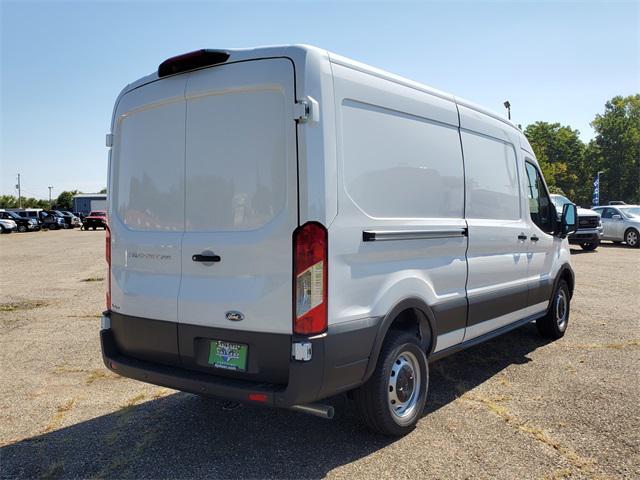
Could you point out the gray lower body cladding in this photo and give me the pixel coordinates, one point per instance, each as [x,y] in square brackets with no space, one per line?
[175,356]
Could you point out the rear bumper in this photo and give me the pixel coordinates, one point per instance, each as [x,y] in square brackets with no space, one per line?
[338,364]
[586,236]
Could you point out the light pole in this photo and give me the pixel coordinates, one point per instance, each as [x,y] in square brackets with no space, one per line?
[50,188]
[507,105]
[19,194]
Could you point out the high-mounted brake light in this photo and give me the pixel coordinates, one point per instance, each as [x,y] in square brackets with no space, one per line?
[310,246]
[191,61]
[107,256]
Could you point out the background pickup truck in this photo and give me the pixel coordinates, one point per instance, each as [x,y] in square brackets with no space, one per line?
[94,220]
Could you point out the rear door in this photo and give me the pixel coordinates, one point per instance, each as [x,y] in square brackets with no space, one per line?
[146,200]
[241,198]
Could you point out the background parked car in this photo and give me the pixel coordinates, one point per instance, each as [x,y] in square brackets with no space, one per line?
[70,219]
[51,221]
[23,224]
[589,230]
[7,226]
[28,213]
[94,220]
[621,223]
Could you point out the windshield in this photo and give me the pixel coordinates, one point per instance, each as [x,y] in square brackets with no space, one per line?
[633,212]
[13,215]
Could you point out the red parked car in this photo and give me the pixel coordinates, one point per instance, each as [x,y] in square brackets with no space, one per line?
[94,220]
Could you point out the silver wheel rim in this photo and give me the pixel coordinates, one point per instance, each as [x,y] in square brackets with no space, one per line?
[404,387]
[632,238]
[561,309]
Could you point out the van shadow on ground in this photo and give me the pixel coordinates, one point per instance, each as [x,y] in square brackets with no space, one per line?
[182,435]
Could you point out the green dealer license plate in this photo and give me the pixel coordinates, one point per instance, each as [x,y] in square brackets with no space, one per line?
[227,355]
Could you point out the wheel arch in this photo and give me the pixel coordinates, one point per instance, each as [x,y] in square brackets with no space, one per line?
[406,314]
[564,273]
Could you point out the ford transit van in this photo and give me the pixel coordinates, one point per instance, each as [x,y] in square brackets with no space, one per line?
[286,224]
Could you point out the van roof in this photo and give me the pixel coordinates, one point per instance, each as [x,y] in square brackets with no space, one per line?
[302,52]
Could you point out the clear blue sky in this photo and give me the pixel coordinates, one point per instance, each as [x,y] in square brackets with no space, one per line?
[63,64]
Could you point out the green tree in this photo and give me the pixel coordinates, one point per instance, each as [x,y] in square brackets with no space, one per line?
[65,200]
[560,153]
[616,149]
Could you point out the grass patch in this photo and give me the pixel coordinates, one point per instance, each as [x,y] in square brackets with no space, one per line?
[92,279]
[609,346]
[100,374]
[62,409]
[26,305]
[578,463]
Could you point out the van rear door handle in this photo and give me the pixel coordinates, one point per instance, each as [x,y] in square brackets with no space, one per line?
[205,258]
[522,237]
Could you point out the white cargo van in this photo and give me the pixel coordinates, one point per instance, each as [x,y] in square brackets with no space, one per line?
[286,224]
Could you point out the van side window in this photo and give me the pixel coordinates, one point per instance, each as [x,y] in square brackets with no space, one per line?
[493,190]
[541,209]
[398,165]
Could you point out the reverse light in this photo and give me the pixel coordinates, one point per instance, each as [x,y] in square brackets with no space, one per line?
[310,279]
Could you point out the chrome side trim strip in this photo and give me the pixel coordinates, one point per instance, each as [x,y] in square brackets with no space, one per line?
[383,235]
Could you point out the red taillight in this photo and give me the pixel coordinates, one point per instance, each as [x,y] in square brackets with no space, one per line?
[107,256]
[310,279]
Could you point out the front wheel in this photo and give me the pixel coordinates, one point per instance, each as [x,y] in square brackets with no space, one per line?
[392,400]
[555,322]
[589,246]
[631,238]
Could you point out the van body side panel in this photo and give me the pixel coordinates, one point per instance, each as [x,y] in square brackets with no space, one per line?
[497,286]
[146,200]
[400,177]
[241,197]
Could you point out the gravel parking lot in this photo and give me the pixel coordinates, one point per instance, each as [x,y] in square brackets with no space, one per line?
[517,407]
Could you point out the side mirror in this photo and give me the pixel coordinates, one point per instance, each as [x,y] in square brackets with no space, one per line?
[569,220]
[616,217]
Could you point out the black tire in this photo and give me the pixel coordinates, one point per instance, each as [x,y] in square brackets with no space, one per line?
[632,238]
[2,230]
[22,228]
[374,397]
[93,228]
[589,247]
[554,324]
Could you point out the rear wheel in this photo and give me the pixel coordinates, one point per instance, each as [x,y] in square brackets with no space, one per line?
[589,246]
[392,400]
[93,228]
[555,322]
[22,228]
[631,238]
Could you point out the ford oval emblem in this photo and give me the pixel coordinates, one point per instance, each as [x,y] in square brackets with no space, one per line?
[234,316]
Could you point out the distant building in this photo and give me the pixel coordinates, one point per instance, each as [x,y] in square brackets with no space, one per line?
[85,202]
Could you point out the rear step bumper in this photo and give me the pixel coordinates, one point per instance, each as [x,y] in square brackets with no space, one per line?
[331,370]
